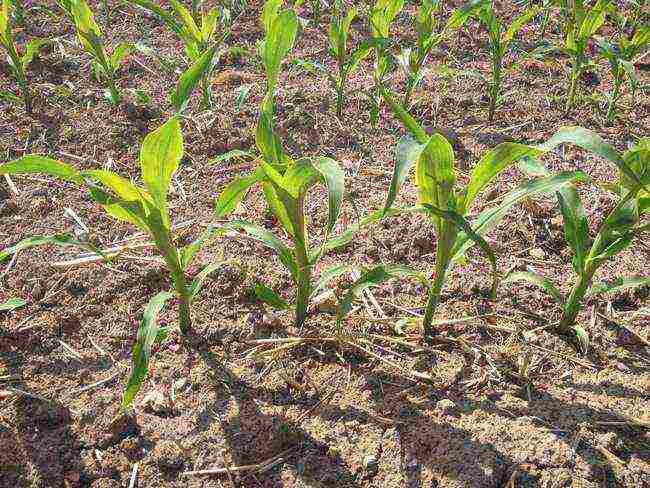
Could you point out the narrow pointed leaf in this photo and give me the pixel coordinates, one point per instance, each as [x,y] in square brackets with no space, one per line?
[57,240]
[32,49]
[330,275]
[334,178]
[265,294]
[538,280]
[235,191]
[621,284]
[34,163]
[197,283]
[576,226]
[147,334]
[190,79]
[407,153]
[12,304]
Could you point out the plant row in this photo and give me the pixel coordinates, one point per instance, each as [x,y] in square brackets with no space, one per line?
[203,33]
[286,180]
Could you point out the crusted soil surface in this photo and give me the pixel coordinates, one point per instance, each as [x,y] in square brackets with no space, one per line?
[312,413]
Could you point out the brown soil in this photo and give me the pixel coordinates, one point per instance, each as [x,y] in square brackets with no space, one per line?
[342,417]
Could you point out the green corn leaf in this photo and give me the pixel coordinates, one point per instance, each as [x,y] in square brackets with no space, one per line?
[614,246]
[270,13]
[235,191]
[186,18]
[265,294]
[402,114]
[188,80]
[434,174]
[269,240]
[374,277]
[119,53]
[460,222]
[57,240]
[232,154]
[40,164]
[12,304]
[594,19]
[269,145]
[122,187]
[407,153]
[84,18]
[197,283]
[330,275]
[209,24]
[134,212]
[621,284]
[518,24]
[581,338]
[334,178]
[277,207]
[160,156]
[165,16]
[590,141]
[490,217]
[538,280]
[491,165]
[460,16]
[299,177]
[279,41]
[147,334]
[32,49]
[576,226]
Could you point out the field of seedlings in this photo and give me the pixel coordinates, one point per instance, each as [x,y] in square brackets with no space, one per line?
[325,243]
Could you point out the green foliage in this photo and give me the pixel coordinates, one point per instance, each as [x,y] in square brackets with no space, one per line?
[12,304]
[411,60]
[500,39]
[148,334]
[145,207]
[582,25]
[617,232]
[620,54]
[202,34]
[18,63]
[447,206]
[105,66]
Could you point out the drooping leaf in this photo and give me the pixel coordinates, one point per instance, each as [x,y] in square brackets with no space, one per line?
[329,275]
[374,277]
[621,284]
[268,239]
[34,163]
[538,280]
[235,191]
[434,174]
[147,334]
[120,52]
[119,185]
[407,153]
[57,240]
[32,49]
[334,178]
[188,252]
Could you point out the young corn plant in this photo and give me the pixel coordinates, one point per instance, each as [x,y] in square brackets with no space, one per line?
[201,32]
[620,56]
[18,63]
[616,233]
[145,207]
[105,66]
[583,23]
[448,206]
[500,39]
[411,60]
[347,61]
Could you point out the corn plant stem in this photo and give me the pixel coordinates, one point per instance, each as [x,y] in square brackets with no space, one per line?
[184,303]
[573,303]
[495,86]
[618,80]
[573,83]
[442,263]
[115,94]
[24,91]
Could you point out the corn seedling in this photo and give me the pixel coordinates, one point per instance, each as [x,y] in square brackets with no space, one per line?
[382,14]
[616,233]
[12,304]
[500,39]
[583,23]
[411,60]
[145,207]
[286,182]
[620,56]
[18,63]
[448,206]
[202,33]
[346,61]
[105,66]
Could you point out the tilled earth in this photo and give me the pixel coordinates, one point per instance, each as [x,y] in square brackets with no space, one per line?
[310,414]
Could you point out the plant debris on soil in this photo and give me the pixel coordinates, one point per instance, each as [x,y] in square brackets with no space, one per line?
[508,404]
